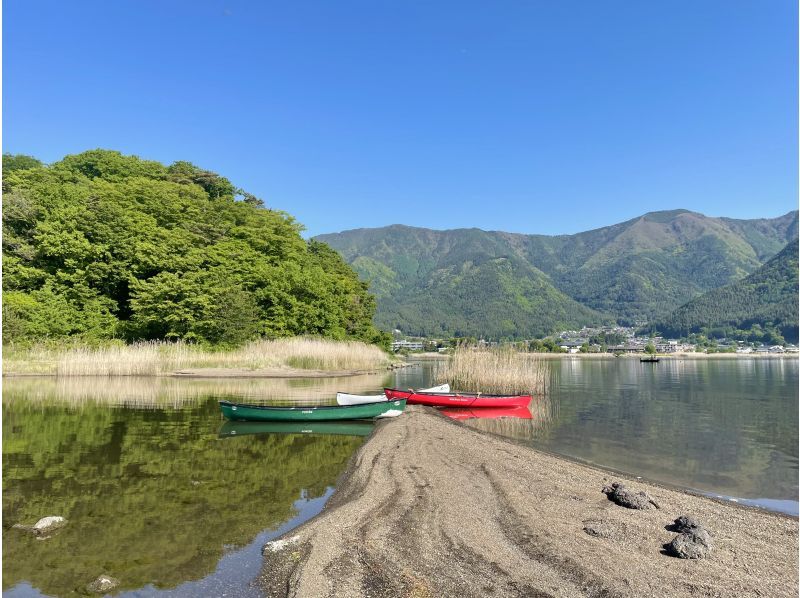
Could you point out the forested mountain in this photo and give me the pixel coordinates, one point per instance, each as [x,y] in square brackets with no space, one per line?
[636,270]
[753,307]
[102,245]
[462,283]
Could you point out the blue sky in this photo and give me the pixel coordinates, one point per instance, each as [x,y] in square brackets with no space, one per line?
[537,116]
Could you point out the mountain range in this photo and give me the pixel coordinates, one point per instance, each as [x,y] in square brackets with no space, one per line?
[470,282]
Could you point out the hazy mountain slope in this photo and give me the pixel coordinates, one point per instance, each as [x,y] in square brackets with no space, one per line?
[635,270]
[767,298]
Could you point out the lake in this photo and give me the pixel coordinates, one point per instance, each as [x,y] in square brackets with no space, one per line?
[159,494]
[724,427]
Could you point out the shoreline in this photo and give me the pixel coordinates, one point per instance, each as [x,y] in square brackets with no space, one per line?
[435,356]
[429,507]
[286,373]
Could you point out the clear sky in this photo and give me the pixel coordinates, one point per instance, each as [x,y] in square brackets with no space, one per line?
[541,116]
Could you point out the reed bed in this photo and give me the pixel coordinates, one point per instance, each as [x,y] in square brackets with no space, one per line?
[156,358]
[156,392]
[495,370]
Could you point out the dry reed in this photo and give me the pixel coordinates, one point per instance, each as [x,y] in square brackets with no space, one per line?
[496,370]
[155,358]
[167,391]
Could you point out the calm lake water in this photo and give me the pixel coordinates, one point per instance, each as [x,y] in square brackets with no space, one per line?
[161,495]
[726,427]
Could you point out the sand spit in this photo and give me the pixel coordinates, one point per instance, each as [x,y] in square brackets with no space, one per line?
[430,508]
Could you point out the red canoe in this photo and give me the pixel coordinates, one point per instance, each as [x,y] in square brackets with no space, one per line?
[486,412]
[456,399]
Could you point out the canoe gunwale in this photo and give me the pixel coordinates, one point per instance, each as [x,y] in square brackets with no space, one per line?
[476,395]
[303,407]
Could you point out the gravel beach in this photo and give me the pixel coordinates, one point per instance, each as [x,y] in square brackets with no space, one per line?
[431,508]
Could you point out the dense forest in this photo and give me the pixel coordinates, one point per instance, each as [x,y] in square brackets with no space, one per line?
[503,285]
[101,245]
[761,307]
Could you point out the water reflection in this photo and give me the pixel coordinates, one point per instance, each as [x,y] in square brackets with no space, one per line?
[464,413]
[723,426]
[152,496]
[168,391]
[232,429]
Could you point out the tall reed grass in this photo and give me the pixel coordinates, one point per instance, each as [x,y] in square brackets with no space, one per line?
[155,358]
[495,370]
[159,391]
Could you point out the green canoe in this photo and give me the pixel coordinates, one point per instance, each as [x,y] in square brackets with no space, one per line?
[341,428]
[238,412]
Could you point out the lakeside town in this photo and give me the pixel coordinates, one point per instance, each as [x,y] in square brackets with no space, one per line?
[603,339]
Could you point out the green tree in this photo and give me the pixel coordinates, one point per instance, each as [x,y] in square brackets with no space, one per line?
[102,245]
[19,162]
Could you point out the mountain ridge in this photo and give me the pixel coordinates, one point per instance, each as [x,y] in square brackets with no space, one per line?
[634,270]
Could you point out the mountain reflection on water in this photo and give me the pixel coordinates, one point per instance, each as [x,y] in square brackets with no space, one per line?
[152,495]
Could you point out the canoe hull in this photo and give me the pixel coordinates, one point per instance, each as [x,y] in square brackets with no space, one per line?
[241,412]
[343,398]
[457,399]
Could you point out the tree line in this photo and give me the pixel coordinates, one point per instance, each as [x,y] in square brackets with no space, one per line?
[101,245]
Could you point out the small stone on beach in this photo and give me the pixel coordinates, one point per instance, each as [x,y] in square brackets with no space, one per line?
[686,523]
[618,493]
[599,529]
[690,545]
[277,545]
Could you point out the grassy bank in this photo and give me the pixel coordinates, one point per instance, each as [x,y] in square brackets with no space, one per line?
[495,371]
[158,358]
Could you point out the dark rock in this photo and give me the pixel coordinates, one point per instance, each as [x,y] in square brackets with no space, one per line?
[690,545]
[103,584]
[685,523]
[618,493]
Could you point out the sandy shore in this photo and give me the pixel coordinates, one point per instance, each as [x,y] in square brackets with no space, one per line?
[430,508]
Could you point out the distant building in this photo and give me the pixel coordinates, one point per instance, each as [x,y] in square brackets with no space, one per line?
[408,345]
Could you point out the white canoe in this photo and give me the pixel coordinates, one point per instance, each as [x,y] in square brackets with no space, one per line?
[342,398]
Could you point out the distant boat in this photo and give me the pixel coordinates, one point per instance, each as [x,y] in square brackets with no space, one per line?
[651,359]
[460,413]
[342,398]
[340,428]
[241,412]
[457,399]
